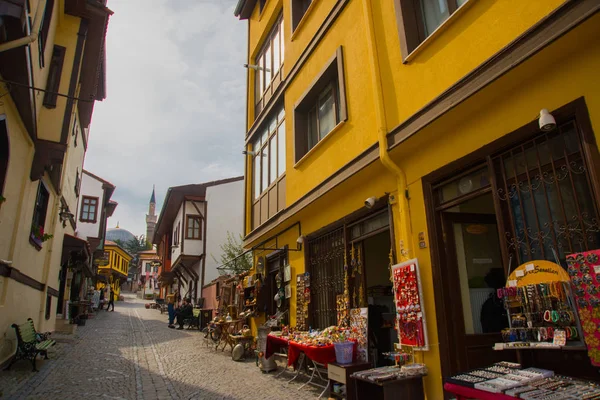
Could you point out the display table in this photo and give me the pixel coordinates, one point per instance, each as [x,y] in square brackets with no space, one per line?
[406,388]
[321,354]
[340,373]
[463,393]
[275,344]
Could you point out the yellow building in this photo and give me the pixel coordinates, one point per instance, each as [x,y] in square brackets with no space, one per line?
[47,64]
[413,127]
[117,268]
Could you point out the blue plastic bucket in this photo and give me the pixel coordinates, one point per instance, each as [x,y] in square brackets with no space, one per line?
[344,352]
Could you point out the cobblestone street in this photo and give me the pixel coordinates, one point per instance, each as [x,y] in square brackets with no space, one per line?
[131,354]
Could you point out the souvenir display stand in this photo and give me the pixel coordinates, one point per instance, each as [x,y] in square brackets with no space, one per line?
[541,309]
[549,308]
[410,313]
[584,270]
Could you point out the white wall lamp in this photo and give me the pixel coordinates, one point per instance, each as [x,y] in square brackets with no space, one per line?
[256,67]
[546,121]
[252,153]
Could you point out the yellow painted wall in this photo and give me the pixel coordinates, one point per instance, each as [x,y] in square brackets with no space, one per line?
[563,72]
[468,40]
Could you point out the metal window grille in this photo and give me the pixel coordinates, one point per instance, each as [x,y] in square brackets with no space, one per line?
[326,260]
[544,190]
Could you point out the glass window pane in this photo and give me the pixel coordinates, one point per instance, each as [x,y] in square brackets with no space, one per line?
[460,2]
[265,167]
[264,136]
[260,77]
[276,55]
[268,67]
[272,126]
[273,160]
[282,42]
[256,176]
[281,115]
[326,114]
[281,148]
[434,13]
[84,215]
[313,135]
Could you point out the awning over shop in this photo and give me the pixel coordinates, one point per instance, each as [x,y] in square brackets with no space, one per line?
[76,252]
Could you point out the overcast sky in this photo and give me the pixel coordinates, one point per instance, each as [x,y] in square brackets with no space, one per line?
[175,107]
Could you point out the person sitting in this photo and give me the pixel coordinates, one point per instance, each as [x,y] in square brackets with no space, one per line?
[183,312]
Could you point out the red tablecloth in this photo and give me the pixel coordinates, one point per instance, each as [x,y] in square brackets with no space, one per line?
[320,354]
[274,344]
[463,393]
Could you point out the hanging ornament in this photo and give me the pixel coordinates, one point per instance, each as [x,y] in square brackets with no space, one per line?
[358,262]
[354,297]
[361,295]
[352,261]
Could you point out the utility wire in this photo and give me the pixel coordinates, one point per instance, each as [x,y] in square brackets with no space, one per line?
[43,90]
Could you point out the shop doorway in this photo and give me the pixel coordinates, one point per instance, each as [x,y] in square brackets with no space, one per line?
[474,262]
[374,252]
[530,195]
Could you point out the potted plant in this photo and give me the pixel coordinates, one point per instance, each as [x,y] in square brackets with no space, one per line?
[38,236]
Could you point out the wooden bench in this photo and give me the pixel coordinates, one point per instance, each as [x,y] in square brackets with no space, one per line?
[30,343]
[194,321]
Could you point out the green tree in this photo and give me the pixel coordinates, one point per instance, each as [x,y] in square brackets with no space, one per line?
[230,255]
[133,247]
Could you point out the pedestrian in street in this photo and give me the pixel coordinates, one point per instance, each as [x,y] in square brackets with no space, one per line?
[171,308]
[111,298]
[101,302]
[185,311]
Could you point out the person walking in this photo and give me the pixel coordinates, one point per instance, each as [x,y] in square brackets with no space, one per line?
[101,302]
[111,298]
[171,308]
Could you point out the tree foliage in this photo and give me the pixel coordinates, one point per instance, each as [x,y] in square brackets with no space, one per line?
[230,252]
[133,247]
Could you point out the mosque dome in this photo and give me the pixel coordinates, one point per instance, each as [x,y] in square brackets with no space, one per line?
[122,235]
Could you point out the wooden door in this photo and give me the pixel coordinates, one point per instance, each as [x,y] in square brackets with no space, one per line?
[475,271]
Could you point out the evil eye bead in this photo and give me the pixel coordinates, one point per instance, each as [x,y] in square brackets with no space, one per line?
[572,270]
[584,269]
[582,303]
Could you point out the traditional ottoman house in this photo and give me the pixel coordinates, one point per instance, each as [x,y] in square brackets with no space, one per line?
[192,224]
[461,133]
[52,70]
[117,268]
[94,208]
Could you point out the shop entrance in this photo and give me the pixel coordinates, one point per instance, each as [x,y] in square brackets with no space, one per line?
[474,261]
[529,196]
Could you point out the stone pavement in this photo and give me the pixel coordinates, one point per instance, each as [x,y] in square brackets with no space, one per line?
[131,354]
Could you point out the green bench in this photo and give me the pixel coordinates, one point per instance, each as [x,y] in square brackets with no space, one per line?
[30,343]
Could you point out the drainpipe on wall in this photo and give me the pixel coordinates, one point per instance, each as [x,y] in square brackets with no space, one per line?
[405,250]
[35,30]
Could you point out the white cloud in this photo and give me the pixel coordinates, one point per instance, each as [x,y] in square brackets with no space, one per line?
[175,109]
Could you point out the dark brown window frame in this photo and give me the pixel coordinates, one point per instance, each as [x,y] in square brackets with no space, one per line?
[411,25]
[332,73]
[299,9]
[43,35]
[54,75]
[261,97]
[40,212]
[77,183]
[96,204]
[191,217]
